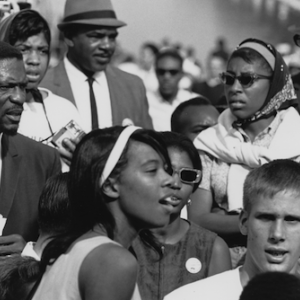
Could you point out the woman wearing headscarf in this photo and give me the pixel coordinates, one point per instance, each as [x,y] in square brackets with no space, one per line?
[44,112]
[259,125]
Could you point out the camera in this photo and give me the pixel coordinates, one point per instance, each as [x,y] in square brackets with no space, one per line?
[71,131]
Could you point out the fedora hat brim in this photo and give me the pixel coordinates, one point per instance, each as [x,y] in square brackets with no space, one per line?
[97,22]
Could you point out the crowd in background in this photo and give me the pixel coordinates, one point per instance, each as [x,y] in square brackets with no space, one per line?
[162,176]
[201,74]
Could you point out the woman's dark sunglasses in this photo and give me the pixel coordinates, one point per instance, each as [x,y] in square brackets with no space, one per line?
[188,175]
[246,79]
[297,39]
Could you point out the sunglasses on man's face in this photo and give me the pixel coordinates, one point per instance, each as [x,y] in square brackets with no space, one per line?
[245,79]
[162,72]
[297,39]
[188,175]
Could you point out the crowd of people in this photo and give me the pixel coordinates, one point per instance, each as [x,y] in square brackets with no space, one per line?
[122,186]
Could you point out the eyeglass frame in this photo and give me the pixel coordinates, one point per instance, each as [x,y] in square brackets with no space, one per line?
[254,77]
[198,175]
[296,39]
[172,72]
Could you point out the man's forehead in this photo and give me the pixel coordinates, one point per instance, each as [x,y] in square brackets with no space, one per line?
[205,113]
[285,202]
[12,69]
[9,63]
[168,59]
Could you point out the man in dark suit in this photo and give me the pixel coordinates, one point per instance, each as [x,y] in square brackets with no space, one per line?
[90,31]
[25,164]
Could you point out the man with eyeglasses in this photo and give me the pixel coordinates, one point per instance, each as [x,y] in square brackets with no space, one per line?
[162,103]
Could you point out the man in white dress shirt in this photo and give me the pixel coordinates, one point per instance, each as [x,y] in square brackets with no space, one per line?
[168,96]
[90,31]
[271,221]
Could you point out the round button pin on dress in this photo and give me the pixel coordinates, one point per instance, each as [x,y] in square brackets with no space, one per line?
[193,265]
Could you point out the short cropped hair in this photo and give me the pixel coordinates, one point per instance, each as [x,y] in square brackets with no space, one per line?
[282,175]
[9,52]
[272,286]
[182,143]
[151,46]
[26,24]
[168,52]
[197,101]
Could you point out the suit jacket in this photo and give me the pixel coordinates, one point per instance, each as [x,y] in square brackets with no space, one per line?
[127,94]
[26,165]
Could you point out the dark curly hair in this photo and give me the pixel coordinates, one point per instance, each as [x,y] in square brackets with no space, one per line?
[26,24]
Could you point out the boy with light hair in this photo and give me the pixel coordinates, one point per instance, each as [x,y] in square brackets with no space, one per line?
[271,221]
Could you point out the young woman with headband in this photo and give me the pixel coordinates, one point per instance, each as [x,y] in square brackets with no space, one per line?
[119,183]
[260,125]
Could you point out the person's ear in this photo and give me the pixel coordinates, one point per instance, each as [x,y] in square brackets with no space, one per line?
[243,224]
[69,42]
[111,188]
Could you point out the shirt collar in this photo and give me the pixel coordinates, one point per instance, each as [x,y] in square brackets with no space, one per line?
[162,100]
[271,129]
[77,75]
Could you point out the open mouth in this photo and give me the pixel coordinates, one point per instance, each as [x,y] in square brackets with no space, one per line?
[236,104]
[276,255]
[171,200]
[14,115]
[33,76]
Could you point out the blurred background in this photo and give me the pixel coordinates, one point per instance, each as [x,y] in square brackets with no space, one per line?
[199,23]
[197,28]
[194,22]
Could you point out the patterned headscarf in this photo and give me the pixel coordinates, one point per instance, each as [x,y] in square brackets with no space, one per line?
[281,94]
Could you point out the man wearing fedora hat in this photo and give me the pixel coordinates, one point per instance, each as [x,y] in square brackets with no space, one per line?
[104,95]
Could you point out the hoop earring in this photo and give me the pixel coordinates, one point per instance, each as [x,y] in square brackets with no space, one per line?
[189,202]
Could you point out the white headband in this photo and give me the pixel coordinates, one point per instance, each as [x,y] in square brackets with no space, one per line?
[268,56]
[117,151]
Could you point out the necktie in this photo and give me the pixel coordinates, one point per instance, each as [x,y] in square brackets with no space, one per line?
[94,113]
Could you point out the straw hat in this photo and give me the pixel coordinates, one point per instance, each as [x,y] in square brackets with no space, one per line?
[90,12]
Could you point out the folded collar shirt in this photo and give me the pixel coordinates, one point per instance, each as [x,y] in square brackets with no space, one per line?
[80,88]
[161,110]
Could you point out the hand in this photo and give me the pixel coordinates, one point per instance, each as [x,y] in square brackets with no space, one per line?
[11,244]
[68,149]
